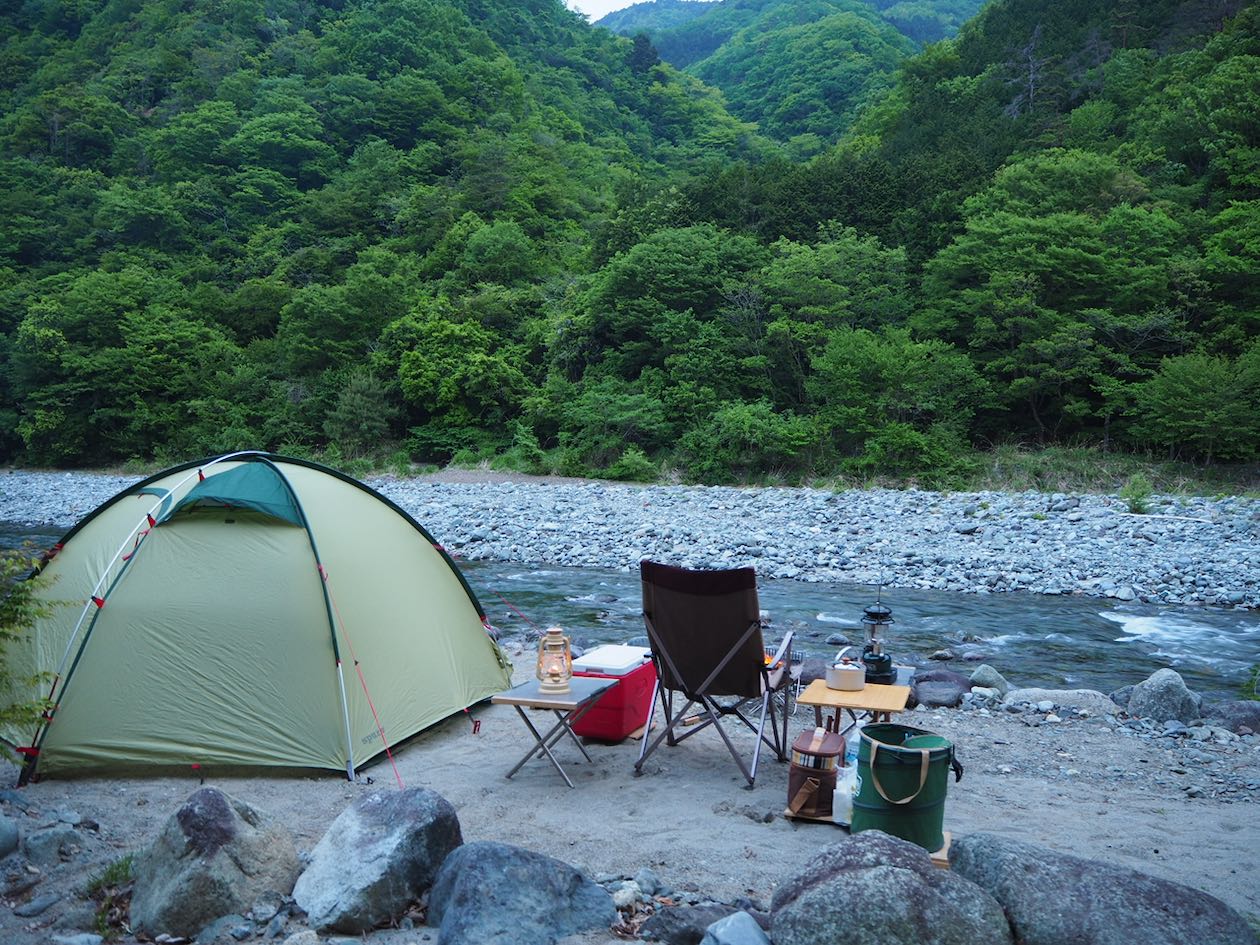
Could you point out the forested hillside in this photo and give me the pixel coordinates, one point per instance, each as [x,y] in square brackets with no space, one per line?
[653,15]
[487,229]
[800,69]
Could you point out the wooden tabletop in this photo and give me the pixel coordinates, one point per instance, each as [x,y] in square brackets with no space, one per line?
[581,689]
[872,698]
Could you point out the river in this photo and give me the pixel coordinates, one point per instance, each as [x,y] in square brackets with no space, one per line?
[1034,640]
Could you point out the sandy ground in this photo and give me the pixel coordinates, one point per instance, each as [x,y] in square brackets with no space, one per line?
[1074,786]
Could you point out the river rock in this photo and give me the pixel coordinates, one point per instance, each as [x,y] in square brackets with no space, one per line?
[489,893]
[49,846]
[214,856]
[938,687]
[739,928]
[376,858]
[1056,899]
[10,836]
[37,906]
[1090,700]
[873,889]
[989,678]
[1122,696]
[683,925]
[1235,714]
[1162,696]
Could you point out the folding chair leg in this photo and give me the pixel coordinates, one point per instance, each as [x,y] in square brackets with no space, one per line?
[749,776]
[783,740]
[766,699]
[647,727]
[671,720]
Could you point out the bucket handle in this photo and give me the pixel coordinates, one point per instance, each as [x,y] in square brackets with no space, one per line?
[924,754]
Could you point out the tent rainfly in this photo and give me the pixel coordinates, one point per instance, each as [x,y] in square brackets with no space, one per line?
[251,609]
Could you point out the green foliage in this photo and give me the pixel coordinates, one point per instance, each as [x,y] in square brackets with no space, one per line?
[607,416]
[633,465]
[524,455]
[360,422]
[111,890]
[1250,689]
[498,234]
[934,458]
[1207,406]
[1136,492]
[742,439]
[753,50]
[19,609]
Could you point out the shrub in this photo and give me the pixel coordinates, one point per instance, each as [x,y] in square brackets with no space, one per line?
[633,466]
[524,455]
[742,439]
[1251,688]
[1135,492]
[19,609]
[936,457]
[111,890]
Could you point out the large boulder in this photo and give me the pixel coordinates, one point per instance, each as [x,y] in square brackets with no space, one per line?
[490,893]
[938,687]
[1162,696]
[1057,899]
[873,889]
[376,859]
[1235,715]
[1090,700]
[214,856]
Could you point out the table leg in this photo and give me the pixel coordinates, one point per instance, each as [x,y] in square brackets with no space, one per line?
[544,744]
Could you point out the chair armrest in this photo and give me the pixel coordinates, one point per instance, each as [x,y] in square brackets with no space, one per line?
[776,670]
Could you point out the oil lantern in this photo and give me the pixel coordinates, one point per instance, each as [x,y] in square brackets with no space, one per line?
[555,661]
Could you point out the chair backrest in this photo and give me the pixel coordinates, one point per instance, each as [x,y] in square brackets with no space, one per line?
[694,620]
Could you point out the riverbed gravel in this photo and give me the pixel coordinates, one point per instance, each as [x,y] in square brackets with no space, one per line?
[1183,550]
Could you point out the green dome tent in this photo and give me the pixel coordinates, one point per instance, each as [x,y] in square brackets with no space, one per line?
[248,610]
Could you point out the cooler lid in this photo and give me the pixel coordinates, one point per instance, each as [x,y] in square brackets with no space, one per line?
[612,659]
[818,742]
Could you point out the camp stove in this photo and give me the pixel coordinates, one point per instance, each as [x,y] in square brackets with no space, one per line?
[879,665]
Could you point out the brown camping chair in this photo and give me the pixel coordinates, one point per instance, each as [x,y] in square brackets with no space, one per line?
[704,628]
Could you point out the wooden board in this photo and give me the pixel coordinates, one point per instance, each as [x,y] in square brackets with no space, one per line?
[872,698]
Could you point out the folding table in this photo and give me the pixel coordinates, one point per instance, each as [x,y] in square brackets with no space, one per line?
[567,707]
[880,701]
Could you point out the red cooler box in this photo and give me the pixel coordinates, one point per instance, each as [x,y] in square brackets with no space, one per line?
[623,708]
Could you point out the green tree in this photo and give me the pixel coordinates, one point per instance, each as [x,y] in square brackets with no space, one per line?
[1204,406]
[360,421]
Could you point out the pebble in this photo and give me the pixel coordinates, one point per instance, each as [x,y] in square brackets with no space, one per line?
[37,905]
[1186,551]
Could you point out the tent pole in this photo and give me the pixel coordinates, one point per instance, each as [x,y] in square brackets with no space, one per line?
[345,718]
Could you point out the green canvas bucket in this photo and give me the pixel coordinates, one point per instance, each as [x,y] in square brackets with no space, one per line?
[902,776]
